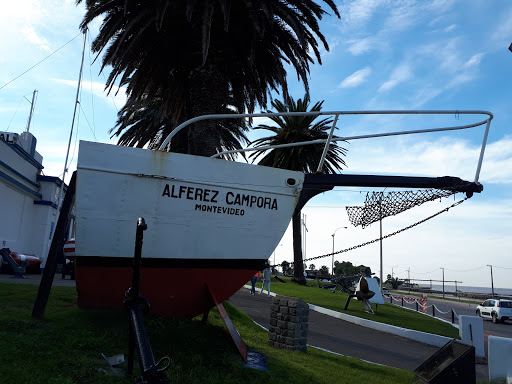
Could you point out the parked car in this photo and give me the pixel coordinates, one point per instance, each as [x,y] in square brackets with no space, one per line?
[385,292]
[496,309]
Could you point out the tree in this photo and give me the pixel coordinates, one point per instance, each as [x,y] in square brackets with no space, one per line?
[141,123]
[293,129]
[286,267]
[324,270]
[395,282]
[312,267]
[198,57]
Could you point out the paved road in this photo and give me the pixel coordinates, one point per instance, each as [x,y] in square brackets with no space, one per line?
[465,308]
[342,337]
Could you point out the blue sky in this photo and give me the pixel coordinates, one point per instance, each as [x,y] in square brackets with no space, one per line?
[438,54]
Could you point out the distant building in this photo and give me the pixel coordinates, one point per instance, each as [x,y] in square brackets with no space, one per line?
[28,200]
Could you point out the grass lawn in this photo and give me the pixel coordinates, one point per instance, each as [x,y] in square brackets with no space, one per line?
[387,313]
[65,347]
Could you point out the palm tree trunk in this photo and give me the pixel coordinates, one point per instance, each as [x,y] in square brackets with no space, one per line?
[206,96]
[298,267]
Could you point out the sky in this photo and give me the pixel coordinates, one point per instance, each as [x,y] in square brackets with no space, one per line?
[384,55]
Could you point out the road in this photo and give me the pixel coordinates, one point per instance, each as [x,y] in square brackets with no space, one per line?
[349,339]
[443,310]
[343,337]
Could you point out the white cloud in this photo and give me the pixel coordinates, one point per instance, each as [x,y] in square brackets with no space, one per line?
[359,12]
[424,95]
[356,79]
[474,60]
[450,28]
[31,35]
[360,46]
[443,157]
[400,74]
[98,90]
[503,30]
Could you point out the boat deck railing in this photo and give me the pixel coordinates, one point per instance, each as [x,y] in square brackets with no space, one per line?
[336,115]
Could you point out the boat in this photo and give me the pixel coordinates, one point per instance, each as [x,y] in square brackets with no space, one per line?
[211,223]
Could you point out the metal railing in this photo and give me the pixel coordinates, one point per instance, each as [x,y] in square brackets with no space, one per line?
[336,115]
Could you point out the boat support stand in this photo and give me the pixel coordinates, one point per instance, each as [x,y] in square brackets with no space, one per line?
[152,373]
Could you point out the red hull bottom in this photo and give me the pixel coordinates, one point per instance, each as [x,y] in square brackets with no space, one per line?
[172,292]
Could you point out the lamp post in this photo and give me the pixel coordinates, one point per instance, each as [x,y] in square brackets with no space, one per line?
[275,257]
[332,266]
[492,281]
[443,281]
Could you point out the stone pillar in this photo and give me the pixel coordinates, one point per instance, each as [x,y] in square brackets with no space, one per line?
[289,319]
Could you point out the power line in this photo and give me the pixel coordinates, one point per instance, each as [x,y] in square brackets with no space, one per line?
[35,65]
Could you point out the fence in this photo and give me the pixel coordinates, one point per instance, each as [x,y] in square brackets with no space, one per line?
[421,305]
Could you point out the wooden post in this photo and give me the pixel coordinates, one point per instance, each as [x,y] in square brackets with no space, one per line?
[59,238]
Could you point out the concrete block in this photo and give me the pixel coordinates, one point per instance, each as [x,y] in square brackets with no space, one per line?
[500,358]
[471,332]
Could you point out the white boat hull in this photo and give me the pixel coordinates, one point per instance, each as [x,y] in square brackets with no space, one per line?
[201,213]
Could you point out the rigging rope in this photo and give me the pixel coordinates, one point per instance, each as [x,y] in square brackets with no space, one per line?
[383,237]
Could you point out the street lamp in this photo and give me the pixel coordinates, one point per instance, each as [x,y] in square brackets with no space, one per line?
[275,256]
[492,281]
[443,281]
[332,266]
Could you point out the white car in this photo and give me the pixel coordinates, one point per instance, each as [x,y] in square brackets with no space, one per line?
[497,310]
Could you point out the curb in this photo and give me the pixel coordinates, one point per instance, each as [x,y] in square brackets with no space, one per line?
[422,337]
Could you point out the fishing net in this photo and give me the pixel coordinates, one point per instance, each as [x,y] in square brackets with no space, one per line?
[379,205]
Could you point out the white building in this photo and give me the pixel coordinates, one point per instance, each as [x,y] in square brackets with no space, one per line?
[28,200]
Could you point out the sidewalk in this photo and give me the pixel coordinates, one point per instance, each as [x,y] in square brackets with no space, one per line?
[36,280]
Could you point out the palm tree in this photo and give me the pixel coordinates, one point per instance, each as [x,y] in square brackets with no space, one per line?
[142,123]
[196,55]
[293,129]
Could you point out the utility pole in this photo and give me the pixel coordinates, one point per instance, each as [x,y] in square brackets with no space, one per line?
[380,216]
[443,281]
[304,229]
[492,281]
[409,278]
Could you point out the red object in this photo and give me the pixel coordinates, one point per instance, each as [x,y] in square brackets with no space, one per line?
[33,261]
[172,292]
[69,248]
